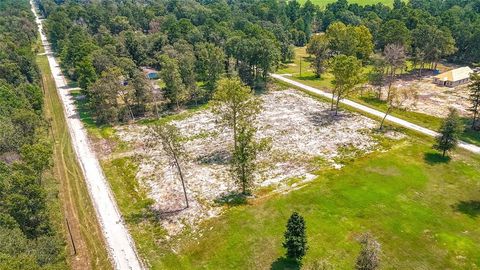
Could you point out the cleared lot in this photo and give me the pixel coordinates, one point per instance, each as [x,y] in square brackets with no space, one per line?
[302,133]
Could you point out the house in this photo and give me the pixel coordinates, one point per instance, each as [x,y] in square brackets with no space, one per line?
[453,77]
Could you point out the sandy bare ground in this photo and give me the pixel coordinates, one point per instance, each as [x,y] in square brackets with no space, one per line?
[435,100]
[300,129]
[120,245]
[467,146]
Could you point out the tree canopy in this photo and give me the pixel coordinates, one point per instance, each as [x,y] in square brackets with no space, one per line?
[28,238]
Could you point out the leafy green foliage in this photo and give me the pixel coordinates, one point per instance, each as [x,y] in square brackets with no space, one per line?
[350,40]
[474,97]
[450,131]
[237,109]
[319,47]
[347,74]
[27,238]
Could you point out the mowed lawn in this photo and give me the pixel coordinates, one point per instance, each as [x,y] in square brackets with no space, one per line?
[423,210]
[324,3]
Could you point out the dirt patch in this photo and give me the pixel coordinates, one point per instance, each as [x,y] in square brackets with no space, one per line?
[301,129]
[435,100]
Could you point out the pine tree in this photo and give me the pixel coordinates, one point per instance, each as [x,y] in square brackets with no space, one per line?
[449,132]
[369,257]
[474,87]
[295,237]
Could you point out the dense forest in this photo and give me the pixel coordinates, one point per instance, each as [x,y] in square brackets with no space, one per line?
[28,238]
[103,44]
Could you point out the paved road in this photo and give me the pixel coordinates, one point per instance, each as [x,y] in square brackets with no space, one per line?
[119,243]
[467,146]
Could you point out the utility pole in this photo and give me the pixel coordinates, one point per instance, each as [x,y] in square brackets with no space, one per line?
[71,238]
[300,66]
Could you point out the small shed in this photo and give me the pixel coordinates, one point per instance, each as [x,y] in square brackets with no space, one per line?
[453,77]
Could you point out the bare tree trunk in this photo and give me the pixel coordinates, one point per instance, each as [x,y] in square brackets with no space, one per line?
[127,103]
[332,101]
[336,105]
[235,130]
[177,164]
[383,120]
[244,181]
[181,178]
[156,105]
[475,115]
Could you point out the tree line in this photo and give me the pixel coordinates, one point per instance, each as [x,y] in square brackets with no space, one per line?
[103,44]
[28,238]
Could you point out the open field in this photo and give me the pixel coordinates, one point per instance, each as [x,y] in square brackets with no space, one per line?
[77,206]
[323,3]
[300,129]
[423,213]
[423,209]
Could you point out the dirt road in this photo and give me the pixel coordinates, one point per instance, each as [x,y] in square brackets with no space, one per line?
[120,245]
[470,147]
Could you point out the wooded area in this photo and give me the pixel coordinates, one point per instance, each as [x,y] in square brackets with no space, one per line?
[193,43]
[28,238]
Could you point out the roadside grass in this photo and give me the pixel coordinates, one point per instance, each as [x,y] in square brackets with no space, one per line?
[422,209]
[135,207]
[421,119]
[73,196]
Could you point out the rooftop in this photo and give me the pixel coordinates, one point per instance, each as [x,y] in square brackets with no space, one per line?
[455,74]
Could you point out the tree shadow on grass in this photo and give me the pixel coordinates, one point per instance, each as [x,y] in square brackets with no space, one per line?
[152,214]
[309,78]
[435,158]
[471,208]
[231,199]
[283,263]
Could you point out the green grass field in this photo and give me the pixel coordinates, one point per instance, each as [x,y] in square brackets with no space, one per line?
[323,3]
[423,209]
